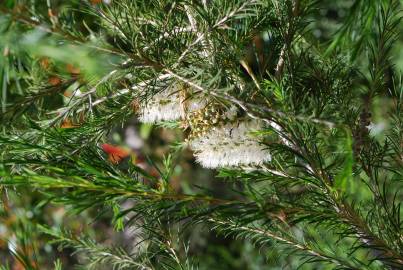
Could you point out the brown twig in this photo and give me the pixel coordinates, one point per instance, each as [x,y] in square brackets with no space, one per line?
[288,38]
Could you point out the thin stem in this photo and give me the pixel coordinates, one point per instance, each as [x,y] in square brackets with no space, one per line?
[288,38]
[246,106]
[61,184]
[291,242]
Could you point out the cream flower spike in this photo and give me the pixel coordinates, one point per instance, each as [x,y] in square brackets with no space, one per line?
[168,105]
[230,145]
[163,106]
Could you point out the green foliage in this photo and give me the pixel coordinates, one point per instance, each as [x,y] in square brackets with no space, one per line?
[317,73]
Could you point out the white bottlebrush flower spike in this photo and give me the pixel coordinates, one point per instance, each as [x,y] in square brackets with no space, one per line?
[168,105]
[217,138]
[231,144]
[163,106]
